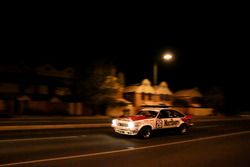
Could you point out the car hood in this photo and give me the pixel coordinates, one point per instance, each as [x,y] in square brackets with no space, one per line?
[137,117]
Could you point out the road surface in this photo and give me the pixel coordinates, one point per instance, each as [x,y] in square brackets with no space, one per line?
[210,143]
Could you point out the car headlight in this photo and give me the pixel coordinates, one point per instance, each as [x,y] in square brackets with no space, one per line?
[131,125]
[114,122]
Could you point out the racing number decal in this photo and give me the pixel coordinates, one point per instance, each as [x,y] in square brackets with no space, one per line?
[158,123]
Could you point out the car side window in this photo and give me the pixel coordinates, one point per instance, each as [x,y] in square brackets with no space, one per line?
[164,114]
[175,114]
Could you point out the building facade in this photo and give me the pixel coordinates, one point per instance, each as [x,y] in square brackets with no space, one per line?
[40,90]
[146,94]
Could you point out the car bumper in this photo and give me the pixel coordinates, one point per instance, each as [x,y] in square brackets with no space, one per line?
[126,131]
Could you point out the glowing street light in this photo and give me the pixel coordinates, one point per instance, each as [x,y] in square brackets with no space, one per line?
[167,57]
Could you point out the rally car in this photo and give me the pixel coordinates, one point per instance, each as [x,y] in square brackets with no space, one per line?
[148,119]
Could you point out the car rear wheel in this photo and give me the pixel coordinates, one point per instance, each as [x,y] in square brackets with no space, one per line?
[145,132]
[183,129]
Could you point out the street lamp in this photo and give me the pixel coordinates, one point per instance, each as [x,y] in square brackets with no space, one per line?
[166,57]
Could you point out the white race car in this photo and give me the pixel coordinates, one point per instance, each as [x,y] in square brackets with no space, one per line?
[148,119]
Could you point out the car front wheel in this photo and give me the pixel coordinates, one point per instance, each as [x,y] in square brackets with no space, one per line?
[145,132]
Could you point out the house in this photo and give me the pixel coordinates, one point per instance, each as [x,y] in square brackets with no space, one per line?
[145,94]
[36,90]
[188,95]
[192,107]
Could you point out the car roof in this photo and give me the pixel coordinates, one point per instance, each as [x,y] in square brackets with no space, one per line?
[157,106]
[158,109]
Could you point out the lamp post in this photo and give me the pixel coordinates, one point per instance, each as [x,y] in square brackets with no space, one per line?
[166,57]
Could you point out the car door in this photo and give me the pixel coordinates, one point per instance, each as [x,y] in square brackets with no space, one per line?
[167,119]
[175,117]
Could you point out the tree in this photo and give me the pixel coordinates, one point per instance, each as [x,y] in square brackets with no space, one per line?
[214,97]
[121,78]
[99,88]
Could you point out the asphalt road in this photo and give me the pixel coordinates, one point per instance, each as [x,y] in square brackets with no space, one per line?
[209,143]
[53,121]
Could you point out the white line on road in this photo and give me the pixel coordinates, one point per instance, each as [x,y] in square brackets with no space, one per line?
[123,150]
[40,138]
[34,127]
[208,126]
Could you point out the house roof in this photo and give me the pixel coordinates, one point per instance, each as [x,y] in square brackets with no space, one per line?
[163,89]
[145,87]
[189,93]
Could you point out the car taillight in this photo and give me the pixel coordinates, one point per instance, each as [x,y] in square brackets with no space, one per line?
[188,116]
[187,119]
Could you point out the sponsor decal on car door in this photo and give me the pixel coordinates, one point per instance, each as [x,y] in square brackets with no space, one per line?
[168,121]
[171,122]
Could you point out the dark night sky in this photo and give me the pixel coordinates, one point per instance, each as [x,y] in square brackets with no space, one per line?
[210,49]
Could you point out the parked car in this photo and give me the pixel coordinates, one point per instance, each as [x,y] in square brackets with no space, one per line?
[149,119]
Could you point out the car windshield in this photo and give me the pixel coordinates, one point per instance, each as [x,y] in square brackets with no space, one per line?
[147,113]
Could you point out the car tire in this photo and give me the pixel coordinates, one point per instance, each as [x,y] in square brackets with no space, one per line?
[145,132]
[183,129]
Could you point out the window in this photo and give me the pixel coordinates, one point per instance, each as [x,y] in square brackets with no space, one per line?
[149,96]
[143,96]
[163,97]
[175,114]
[164,114]
[148,113]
